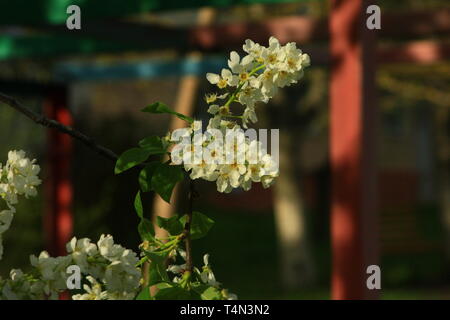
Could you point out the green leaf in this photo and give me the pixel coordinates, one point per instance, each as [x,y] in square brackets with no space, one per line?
[144,294]
[157,257]
[163,285]
[145,229]
[165,178]
[138,205]
[145,226]
[172,224]
[159,107]
[130,159]
[142,261]
[157,273]
[211,293]
[173,293]
[153,144]
[200,225]
[146,174]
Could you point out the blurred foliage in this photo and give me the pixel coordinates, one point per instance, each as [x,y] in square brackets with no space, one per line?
[413,4]
[404,86]
[407,82]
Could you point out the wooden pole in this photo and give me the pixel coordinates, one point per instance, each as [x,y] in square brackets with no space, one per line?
[184,104]
[352,92]
[296,263]
[58,219]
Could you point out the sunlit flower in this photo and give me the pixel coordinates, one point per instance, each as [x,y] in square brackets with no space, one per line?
[226,78]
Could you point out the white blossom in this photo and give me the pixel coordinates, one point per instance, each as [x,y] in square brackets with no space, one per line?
[240,67]
[253,78]
[93,292]
[18,177]
[6,217]
[212,97]
[226,78]
[21,177]
[207,275]
[112,276]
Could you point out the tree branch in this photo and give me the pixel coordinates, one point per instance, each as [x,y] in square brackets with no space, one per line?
[50,123]
[187,227]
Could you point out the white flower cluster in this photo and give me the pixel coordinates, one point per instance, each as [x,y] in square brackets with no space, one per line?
[110,268]
[206,275]
[254,78]
[18,177]
[234,161]
[45,281]
[257,76]
[6,217]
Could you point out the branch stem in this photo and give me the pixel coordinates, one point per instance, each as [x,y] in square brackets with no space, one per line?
[50,123]
[187,227]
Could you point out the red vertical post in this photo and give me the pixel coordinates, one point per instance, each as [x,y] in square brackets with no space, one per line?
[58,216]
[352,113]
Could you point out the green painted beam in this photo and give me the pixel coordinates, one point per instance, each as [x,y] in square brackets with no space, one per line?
[49,45]
[25,12]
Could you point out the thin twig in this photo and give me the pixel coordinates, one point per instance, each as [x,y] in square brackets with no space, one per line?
[187,227]
[50,123]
